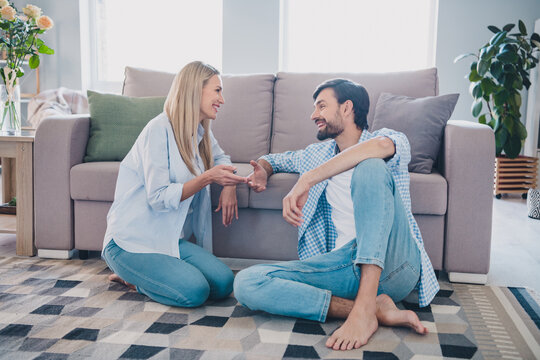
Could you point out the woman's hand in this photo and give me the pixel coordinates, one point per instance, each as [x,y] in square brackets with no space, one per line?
[258,178]
[224,175]
[295,201]
[228,204]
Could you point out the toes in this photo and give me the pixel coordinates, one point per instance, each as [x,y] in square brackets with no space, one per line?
[337,344]
[331,341]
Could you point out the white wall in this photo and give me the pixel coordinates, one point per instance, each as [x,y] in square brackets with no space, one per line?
[250,36]
[462,28]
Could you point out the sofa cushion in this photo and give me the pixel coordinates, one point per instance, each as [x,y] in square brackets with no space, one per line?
[96,181]
[428,193]
[115,123]
[278,186]
[243,125]
[293,102]
[421,119]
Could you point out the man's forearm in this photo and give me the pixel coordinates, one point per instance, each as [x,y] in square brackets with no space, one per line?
[381,147]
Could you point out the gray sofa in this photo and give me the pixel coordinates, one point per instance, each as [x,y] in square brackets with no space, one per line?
[270,113]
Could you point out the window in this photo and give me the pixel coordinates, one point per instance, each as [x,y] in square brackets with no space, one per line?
[160,35]
[357,35]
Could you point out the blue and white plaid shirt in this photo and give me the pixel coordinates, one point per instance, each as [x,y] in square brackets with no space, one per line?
[317,234]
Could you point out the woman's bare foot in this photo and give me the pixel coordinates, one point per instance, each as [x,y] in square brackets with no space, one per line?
[118,279]
[388,314]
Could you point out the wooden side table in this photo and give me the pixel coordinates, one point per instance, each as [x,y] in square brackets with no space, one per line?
[17,153]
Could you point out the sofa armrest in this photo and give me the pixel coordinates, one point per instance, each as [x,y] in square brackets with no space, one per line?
[60,143]
[468,165]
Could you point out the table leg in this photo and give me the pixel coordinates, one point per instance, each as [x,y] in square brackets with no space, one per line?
[25,199]
[8,179]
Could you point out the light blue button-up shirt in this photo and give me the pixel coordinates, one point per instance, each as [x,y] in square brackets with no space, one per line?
[147,215]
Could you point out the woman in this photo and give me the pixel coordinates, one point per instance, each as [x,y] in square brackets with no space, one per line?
[162,198]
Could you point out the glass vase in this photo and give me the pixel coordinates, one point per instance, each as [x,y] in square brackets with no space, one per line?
[10,110]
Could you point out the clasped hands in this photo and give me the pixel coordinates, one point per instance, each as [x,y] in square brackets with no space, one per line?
[295,200]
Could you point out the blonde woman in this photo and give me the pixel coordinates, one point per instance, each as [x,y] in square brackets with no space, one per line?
[162,198]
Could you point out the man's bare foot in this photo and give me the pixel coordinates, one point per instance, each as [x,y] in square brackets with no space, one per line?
[388,314]
[355,331]
[118,279]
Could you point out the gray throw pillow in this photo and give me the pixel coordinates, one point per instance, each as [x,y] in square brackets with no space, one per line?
[422,120]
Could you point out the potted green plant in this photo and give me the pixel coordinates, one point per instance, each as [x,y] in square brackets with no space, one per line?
[497,75]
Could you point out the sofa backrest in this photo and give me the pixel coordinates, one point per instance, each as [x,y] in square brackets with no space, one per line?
[243,125]
[293,102]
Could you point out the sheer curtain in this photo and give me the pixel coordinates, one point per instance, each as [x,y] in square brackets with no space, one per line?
[160,35]
[357,35]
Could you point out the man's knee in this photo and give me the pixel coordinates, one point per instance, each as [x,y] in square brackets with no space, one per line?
[370,171]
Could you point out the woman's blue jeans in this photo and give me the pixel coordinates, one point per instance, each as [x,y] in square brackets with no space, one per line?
[186,282]
[304,288]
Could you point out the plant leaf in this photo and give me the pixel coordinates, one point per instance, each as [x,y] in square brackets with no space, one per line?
[462,56]
[476,90]
[496,69]
[507,57]
[508,27]
[512,147]
[476,108]
[482,67]
[34,61]
[488,86]
[494,29]
[482,119]
[501,135]
[536,43]
[497,38]
[44,49]
[522,28]
[501,97]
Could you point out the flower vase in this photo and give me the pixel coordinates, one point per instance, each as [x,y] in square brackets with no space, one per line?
[10,110]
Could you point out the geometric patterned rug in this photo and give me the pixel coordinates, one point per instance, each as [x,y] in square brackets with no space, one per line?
[67,309]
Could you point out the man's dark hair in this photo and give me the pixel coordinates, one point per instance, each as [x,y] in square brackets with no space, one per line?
[347,90]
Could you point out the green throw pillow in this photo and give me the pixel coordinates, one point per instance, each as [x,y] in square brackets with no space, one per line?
[115,123]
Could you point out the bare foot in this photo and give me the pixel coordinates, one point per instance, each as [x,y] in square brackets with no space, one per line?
[388,314]
[355,331]
[118,279]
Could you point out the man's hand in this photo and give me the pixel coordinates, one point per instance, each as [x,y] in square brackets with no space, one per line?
[258,178]
[229,204]
[295,201]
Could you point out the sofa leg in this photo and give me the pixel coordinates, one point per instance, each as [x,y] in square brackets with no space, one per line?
[83,254]
[469,278]
[55,254]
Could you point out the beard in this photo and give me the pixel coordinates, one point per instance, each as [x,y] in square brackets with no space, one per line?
[331,131]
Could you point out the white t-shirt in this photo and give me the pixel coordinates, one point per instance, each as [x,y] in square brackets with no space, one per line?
[338,195]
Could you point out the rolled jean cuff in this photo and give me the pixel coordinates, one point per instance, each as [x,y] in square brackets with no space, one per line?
[326,306]
[370,261]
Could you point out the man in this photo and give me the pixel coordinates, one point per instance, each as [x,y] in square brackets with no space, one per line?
[359,245]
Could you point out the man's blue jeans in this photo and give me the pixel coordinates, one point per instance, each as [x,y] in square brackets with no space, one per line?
[304,288]
[186,282]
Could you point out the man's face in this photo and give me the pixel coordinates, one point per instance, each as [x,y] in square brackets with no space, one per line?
[327,116]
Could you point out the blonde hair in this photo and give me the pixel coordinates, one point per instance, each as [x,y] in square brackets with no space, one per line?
[182,107]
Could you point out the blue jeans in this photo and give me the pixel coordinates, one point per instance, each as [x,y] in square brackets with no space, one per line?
[186,282]
[304,288]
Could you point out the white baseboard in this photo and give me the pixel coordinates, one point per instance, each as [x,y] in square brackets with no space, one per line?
[468,278]
[56,254]
[240,264]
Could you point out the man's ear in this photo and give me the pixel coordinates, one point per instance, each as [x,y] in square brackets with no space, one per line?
[347,108]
